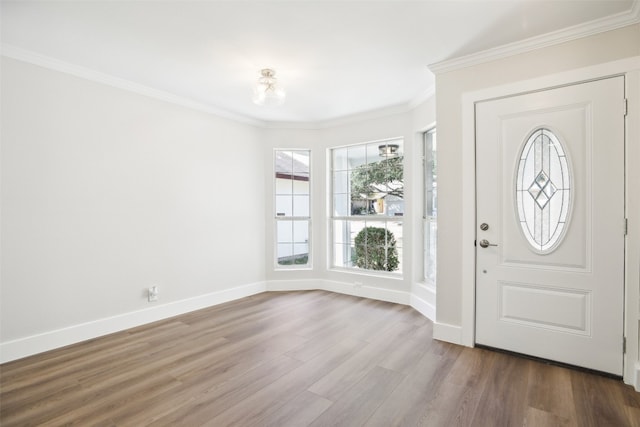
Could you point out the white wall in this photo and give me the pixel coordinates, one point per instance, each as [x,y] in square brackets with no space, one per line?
[106,192]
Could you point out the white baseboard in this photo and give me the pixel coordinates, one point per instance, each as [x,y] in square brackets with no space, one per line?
[23,347]
[448,333]
[636,383]
[294,285]
[381,294]
[34,344]
[423,299]
[423,307]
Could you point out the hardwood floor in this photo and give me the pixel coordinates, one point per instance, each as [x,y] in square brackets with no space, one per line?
[301,359]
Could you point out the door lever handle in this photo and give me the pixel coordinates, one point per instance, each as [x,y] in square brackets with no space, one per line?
[484,243]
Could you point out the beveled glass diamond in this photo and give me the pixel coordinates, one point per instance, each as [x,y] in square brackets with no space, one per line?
[534,190]
[542,179]
[550,189]
[542,200]
[542,189]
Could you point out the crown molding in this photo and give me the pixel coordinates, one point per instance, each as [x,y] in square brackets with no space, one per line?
[31,57]
[92,75]
[357,117]
[619,20]
[423,97]
[341,121]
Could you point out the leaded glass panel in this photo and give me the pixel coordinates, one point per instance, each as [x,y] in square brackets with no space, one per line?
[543,190]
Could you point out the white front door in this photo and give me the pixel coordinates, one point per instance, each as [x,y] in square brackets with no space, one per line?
[550,224]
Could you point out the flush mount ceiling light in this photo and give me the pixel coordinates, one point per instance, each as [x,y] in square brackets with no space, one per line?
[267,91]
[388,150]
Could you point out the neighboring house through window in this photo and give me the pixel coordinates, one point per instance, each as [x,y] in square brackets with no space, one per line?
[292,208]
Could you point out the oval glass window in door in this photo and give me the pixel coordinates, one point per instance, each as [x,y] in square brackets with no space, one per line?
[543,190]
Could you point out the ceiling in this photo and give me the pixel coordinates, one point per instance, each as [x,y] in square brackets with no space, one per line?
[334,58]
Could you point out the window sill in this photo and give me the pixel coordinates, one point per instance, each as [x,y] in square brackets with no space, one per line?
[367,273]
[302,268]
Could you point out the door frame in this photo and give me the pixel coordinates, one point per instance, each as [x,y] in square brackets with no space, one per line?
[630,68]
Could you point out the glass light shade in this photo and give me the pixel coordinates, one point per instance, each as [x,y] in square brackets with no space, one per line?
[269,96]
[267,91]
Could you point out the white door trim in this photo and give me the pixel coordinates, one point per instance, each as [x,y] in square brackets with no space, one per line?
[631,69]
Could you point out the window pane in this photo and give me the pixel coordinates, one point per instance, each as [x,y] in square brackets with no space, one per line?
[340,182]
[300,231]
[285,231]
[339,235]
[357,156]
[361,206]
[373,153]
[394,206]
[340,159]
[285,252]
[430,240]
[395,232]
[284,206]
[296,255]
[300,162]
[340,205]
[301,184]
[353,229]
[300,205]
[283,162]
[284,184]
[342,255]
[300,250]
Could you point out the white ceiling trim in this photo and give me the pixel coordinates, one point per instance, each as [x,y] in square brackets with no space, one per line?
[341,121]
[423,97]
[107,79]
[619,20]
[357,117]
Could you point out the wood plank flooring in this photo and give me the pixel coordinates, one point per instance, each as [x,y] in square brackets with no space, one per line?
[298,359]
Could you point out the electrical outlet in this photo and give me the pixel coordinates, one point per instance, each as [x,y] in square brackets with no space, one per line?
[153,293]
